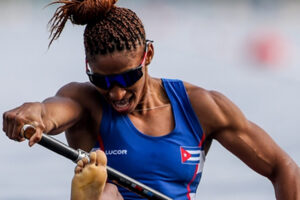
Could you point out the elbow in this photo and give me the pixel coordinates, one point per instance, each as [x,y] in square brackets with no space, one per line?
[286,180]
[284,170]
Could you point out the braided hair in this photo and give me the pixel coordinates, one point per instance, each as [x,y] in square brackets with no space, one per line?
[108,28]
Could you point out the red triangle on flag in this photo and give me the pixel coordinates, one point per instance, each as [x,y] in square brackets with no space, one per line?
[184,155]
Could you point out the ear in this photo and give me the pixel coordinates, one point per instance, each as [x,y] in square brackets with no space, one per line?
[150,54]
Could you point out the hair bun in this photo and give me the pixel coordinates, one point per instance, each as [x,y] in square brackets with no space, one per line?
[85,11]
[79,12]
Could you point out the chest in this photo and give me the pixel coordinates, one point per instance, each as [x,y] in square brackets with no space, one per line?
[171,158]
[155,123]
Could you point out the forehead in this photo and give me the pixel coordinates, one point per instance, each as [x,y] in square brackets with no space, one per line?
[116,62]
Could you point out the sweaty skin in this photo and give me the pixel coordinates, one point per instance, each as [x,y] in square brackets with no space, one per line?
[76,109]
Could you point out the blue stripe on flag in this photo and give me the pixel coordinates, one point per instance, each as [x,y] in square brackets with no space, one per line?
[195,153]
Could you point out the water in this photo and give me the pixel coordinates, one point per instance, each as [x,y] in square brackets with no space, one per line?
[200,42]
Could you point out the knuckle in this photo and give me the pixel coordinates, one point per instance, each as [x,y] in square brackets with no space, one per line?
[26,104]
[9,115]
[19,118]
[41,126]
[40,130]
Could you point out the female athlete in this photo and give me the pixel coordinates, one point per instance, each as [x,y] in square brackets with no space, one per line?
[157,131]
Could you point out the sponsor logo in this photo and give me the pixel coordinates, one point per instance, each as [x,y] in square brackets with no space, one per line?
[116,152]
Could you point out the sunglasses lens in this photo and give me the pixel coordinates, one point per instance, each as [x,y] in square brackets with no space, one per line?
[98,81]
[119,80]
[133,76]
[124,80]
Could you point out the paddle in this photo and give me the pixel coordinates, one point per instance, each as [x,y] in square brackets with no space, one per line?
[113,175]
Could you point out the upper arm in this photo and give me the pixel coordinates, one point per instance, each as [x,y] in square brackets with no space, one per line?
[83,111]
[224,122]
[245,139]
[63,110]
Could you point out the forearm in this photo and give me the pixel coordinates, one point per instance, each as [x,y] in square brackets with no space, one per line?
[286,182]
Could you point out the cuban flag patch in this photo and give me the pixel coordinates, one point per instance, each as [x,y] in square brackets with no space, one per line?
[192,155]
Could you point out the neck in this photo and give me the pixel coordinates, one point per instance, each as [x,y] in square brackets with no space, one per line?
[154,96]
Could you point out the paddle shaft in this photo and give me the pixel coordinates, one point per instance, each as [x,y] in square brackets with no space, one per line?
[113,175]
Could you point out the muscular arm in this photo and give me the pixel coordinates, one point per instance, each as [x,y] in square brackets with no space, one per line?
[60,113]
[82,124]
[223,121]
[254,147]
[51,116]
[76,109]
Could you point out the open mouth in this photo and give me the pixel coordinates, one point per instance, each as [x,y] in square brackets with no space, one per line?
[122,105]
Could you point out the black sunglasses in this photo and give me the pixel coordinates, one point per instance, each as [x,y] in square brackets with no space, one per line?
[124,79]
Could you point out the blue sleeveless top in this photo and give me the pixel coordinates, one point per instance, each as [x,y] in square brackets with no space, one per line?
[171,164]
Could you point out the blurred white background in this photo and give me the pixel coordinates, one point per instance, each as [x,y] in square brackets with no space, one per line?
[247,49]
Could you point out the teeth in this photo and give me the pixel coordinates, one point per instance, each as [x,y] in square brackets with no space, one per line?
[122,103]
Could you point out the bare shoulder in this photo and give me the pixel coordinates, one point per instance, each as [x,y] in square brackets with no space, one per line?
[83,93]
[214,110]
[75,90]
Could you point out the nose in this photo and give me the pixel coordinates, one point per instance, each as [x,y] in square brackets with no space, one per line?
[116,93]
